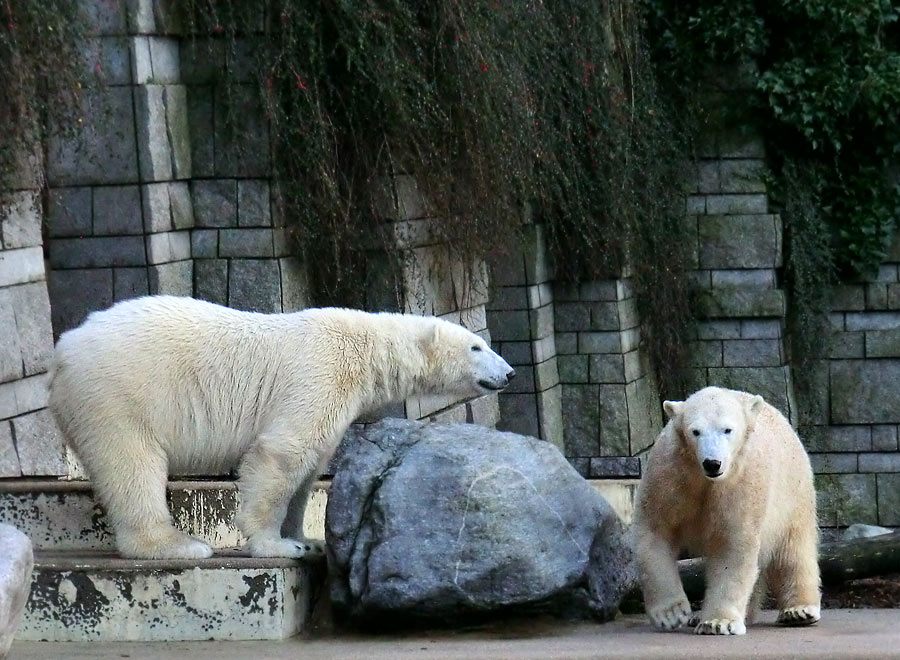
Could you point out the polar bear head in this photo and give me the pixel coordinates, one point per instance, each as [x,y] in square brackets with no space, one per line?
[461,363]
[713,423]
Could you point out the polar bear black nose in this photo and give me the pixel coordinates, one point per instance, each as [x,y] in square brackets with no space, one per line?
[511,374]
[712,467]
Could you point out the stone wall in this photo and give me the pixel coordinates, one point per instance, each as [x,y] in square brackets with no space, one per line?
[30,444]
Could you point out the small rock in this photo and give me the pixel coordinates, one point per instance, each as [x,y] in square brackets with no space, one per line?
[16,564]
[443,522]
[860,531]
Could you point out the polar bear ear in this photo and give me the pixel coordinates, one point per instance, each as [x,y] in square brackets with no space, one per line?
[673,408]
[754,405]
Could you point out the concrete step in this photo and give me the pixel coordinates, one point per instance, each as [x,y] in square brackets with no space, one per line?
[63,515]
[81,596]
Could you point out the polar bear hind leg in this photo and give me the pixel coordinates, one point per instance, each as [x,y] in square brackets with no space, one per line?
[134,496]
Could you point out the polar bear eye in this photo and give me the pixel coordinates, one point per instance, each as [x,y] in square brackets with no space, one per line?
[727,431]
[696,433]
[476,348]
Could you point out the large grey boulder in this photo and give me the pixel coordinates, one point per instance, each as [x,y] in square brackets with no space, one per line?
[16,564]
[443,522]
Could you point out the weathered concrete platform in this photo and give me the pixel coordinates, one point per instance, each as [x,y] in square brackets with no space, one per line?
[842,635]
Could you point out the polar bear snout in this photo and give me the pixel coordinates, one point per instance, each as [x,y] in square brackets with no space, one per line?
[496,384]
[712,467]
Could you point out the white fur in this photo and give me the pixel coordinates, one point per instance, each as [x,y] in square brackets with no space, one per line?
[754,521]
[162,385]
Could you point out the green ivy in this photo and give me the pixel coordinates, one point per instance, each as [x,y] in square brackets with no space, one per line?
[493,107]
[826,87]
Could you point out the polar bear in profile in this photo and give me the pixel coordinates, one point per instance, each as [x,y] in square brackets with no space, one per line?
[161,385]
[729,480]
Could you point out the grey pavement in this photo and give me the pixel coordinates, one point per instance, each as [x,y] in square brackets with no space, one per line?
[842,634]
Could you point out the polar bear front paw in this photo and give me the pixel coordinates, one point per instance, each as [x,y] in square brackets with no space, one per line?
[672,615]
[800,615]
[721,627]
[284,547]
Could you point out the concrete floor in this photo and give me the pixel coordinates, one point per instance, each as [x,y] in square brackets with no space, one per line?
[842,634]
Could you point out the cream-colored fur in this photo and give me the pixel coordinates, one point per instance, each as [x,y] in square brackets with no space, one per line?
[750,510]
[162,385]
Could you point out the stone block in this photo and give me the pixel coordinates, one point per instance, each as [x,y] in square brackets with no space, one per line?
[708,179]
[254,285]
[872,320]
[752,353]
[295,291]
[519,414]
[537,267]
[541,322]
[117,210]
[254,208]
[636,365]
[510,326]
[848,297]
[742,176]
[813,395]
[211,280]
[69,212]
[9,460]
[103,149]
[618,467]
[550,416]
[39,445]
[644,413]
[737,204]
[696,205]
[833,463]
[246,243]
[141,19]
[604,316]
[157,207]
[524,380]
[888,499]
[573,368]
[772,383]
[242,135]
[893,296]
[484,411]
[886,273]
[631,339]
[753,303]
[581,420]
[31,305]
[566,343]
[882,343]
[877,296]
[604,368]
[881,462]
[76,293]
[565,291]
[174,279]
[509,298]
[168,246]
[760,278]
[572,316]
[130,283]
[614,434]
[154,151]
[836,438]
[546,375]
[865,392]
[508,270]
[580,465]
[11,346]
[761,329]
[599,342]
[97,252]
[20,220]
[540,294]
[215,202]
[739,241]
[516,352]
[141,64]
[200,113]
[21,266]
[628,314]
[599,291]
[204,243]
[31,393]
[104,17]
[845,499]
[718,329]
[544,348]
[164,57]
[181,206]
[8,407]
[107,60]
[178,128]
[884,438]
[706,354]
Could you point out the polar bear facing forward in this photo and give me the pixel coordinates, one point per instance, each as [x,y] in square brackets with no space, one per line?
[729,480]
[161,385]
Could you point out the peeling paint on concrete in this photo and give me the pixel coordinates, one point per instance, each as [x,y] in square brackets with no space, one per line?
[240,599]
